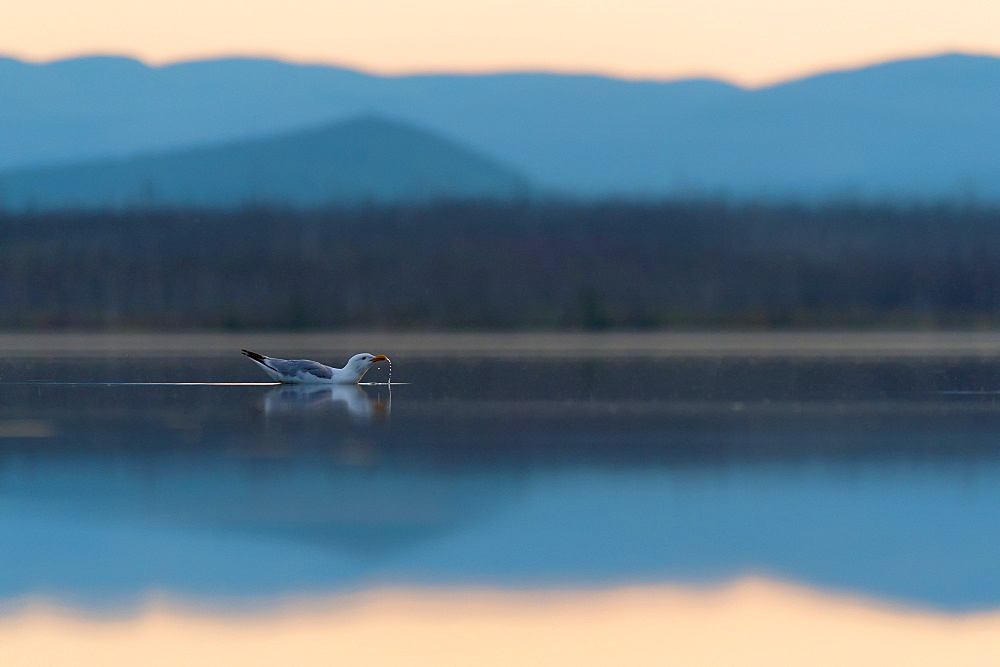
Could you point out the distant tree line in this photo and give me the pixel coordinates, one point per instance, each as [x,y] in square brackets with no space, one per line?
[523,265]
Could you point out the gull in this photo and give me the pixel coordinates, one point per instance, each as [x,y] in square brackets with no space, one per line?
[303,371]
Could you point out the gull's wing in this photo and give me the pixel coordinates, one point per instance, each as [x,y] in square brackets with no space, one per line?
[293,367]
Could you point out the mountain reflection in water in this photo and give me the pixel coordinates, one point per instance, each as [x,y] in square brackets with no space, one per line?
[862,476]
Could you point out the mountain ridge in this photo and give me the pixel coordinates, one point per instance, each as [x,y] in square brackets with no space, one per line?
[921,127]
[363,159]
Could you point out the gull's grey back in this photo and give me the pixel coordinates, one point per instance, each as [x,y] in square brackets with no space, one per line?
[292,367]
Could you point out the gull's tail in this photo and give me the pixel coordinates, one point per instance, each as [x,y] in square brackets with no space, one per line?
[254,355]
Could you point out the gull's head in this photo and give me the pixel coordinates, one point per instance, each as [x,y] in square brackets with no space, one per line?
[360,363]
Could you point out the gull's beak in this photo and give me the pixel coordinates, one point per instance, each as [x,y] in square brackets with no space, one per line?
[379,357]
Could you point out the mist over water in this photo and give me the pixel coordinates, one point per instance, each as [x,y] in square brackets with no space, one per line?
[864,476]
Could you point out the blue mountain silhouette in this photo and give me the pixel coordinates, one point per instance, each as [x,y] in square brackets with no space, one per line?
[367,159]
[915,128]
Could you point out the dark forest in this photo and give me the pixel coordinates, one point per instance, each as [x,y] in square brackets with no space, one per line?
[486,265]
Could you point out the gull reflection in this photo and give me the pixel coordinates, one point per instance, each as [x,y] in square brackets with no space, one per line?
[290,399]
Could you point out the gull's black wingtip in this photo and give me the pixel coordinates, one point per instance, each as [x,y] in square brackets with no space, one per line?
[254,355]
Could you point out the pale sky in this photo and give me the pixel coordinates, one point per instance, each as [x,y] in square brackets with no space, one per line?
[750,42]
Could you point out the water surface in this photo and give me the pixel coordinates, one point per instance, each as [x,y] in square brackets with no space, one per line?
[873,476]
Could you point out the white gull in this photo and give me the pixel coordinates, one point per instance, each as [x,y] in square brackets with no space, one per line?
[303,371]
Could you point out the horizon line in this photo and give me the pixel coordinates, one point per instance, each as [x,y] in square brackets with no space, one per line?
[850,66]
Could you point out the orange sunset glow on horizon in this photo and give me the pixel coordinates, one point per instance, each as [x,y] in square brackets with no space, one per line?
[750,43]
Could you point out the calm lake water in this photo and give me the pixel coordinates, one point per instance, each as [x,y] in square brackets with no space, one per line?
[867,476]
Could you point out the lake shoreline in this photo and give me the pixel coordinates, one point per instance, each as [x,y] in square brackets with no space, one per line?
[764,344]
